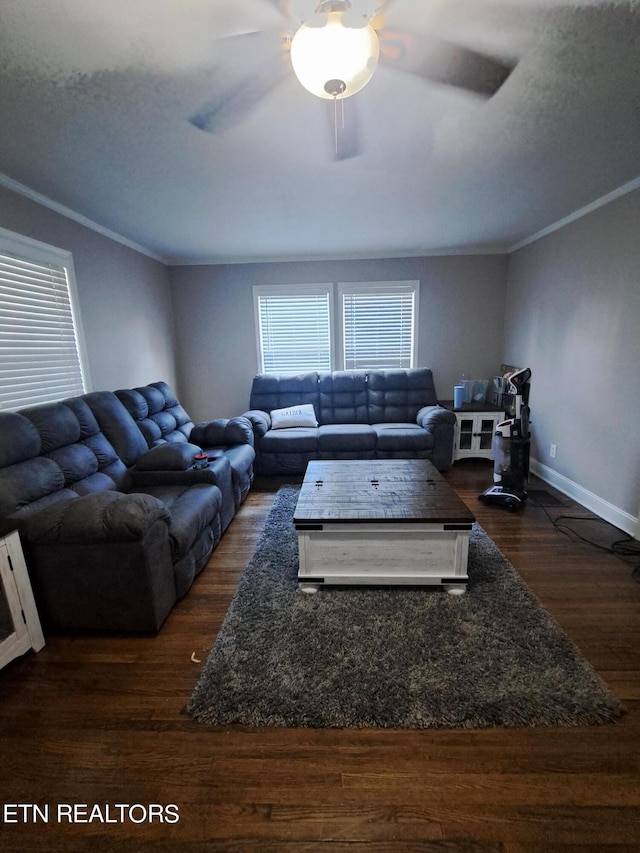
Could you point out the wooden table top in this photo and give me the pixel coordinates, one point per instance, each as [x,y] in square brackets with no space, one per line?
[378,490]
[470,407]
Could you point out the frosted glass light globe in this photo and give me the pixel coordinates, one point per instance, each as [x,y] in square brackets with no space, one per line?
[333,47]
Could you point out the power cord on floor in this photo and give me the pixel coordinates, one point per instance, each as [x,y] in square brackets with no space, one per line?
[627,549]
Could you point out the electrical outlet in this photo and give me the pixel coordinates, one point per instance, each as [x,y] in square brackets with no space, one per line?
[553,451]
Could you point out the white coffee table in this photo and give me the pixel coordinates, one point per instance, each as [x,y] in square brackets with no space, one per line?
[381,522]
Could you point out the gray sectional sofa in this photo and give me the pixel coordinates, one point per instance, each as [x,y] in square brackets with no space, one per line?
[114,519]
[372,414]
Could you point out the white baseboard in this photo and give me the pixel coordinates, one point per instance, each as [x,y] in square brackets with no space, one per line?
[613,514]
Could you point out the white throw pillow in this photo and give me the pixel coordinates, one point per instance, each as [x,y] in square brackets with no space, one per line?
[294,416]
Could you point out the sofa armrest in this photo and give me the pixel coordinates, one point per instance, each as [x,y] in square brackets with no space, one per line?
[430,416]
[223,432]
[260,421]
[172,464]
[217,473]
[96,518]
[440,422]
[171,456]
[102,562]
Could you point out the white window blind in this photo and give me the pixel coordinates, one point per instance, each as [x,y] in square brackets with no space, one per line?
[378,325]
[39,350]
[294,329]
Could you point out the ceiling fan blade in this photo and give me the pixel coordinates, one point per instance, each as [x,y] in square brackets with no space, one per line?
[283,6]
[344,122]
[443,62]
[238,98]
[232,107]
[381,8]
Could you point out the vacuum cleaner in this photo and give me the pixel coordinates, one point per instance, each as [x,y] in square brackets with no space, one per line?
[511,444]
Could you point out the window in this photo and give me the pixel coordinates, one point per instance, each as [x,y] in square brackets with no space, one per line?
[373,325]
[378,321]
[293,326]
[40,345]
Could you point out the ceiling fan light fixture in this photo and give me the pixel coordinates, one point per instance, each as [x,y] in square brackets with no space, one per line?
[334,47]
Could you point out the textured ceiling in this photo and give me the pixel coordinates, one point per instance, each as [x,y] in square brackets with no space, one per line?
[96,97]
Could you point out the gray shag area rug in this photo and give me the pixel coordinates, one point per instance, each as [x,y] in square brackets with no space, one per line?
[391,657]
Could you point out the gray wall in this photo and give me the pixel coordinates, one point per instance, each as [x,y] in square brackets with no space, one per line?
[568,306]
[573,316]
[125,297]
[462,302]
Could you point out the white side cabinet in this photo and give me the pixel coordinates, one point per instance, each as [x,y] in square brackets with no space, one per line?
[475,428]
[20,628]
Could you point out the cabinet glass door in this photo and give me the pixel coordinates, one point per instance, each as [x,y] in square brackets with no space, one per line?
[466,433]
[486,433]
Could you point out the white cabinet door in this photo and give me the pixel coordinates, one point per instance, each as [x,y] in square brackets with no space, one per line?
[474,434]
[20,628]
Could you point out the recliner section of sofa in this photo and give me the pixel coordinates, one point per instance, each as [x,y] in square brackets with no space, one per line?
[162,420]
[372,414]
[114,531]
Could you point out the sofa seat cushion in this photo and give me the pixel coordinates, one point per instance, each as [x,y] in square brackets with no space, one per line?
[355,438]
[241,456]
[186,569]
[191,509]
[217,473]
[393,437]
[294,440]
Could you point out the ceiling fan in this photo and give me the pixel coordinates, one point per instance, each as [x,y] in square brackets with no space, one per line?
[272,56]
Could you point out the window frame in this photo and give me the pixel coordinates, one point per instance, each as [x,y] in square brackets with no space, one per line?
[376,287]
[27,249]
[335,292]
[322,289]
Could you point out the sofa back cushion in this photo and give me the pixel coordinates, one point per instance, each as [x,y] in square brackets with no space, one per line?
[396,396]
[25,477]
[349,396]
[110,471]
[157,412]
[343,397]
[118,426]
[54,452]
[279,391]
[71,437]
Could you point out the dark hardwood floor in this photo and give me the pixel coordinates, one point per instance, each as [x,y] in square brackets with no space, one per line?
[100,721]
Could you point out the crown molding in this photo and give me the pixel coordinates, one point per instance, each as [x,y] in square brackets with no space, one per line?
[27,192]
[21,189]
[578,214]
[218,260]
